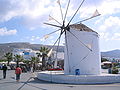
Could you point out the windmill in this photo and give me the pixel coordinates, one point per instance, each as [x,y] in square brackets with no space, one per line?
[81,44]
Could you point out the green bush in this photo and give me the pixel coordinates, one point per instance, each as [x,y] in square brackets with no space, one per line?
[115,70]
[3,60]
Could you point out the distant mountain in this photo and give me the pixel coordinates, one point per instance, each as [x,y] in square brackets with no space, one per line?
[8,47]
[112,54]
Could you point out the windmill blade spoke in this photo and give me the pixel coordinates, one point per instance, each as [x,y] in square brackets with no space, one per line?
[52,25]
[87,19]
[80,41]
[58,38]
[60,8]
[57,47]
[66,11]
[49,53]
[76,12]
[47,35]
[55,65]
[51,18]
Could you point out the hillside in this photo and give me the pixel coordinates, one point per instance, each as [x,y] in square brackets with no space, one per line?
[8,47]
[112,54]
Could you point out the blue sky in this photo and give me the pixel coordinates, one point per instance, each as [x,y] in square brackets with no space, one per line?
[22,20]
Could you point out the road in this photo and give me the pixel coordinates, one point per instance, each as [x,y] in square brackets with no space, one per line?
[30,82]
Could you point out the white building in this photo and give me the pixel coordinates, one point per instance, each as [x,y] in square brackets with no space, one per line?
[60,55]
[26,53]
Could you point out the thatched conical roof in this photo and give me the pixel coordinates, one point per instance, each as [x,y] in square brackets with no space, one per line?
[81,27]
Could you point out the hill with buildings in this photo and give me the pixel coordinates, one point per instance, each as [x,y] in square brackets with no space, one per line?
[8,47]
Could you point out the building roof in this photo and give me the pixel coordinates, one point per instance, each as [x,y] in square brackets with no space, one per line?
[81,27]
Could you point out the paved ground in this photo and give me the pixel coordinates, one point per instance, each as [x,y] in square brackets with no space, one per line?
[29,82]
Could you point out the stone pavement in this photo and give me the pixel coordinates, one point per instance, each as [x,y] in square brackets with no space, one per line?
[30,82]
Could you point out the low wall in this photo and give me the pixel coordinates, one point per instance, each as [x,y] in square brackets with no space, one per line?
[59,77]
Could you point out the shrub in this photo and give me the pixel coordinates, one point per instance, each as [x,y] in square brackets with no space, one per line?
[115,70]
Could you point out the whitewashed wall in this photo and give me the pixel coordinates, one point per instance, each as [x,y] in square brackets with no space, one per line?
[58,77]
[80,57]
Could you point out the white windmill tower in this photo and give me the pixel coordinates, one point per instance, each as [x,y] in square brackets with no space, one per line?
[82,54]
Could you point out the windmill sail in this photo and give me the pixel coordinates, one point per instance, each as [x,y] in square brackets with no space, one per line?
[51,18]
[46,36]
[96,13]
[49,53]
[89,46]
[58,2]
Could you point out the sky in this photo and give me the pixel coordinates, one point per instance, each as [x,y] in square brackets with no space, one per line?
[23,20]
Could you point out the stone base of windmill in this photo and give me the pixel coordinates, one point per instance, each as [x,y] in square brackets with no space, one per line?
[59,77]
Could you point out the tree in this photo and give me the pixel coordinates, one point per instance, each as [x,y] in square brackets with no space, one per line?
[44,51]
[18,58]
[9,57]
[34,61]
[104,59]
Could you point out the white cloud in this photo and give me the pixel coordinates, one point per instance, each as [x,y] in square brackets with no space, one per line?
[105,7]
[42,40]
[34,38]
[104,36]
[5,32]
[111,23]
[109,7]
[110,38]
[33,12]
[37,37]
[116,36]
[37,8]
[109,29]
